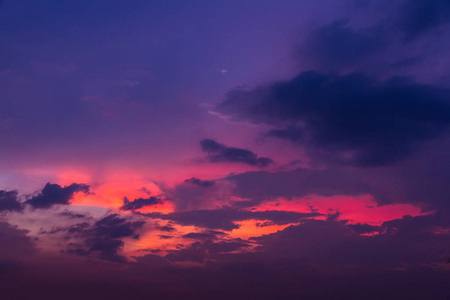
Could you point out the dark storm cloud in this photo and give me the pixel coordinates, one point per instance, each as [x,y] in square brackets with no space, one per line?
[338,46]
[225,218]
[417,16]
[53,194]
[199,182]
[139,203]
[9,201]
[104,237]
[353,118]
[219,153]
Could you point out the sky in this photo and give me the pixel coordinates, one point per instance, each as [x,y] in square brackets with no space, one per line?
[224,149]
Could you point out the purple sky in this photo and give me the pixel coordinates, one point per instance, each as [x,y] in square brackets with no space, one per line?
[224,149]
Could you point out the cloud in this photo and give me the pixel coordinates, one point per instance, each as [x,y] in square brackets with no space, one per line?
[139,203]
[207,235]
[220,153]
[73,215]
[351,119]
[165,237]
[224,218]
[343,45]
[104,237]
[16,244]
[53,194]
[363,228]
[166,228]
[406,62]
[406,242]
[201,251]
[419,180]
[199,182]
[17,247]
[9,201]
[259,186]
[417,17]
[336,46]
[194,194]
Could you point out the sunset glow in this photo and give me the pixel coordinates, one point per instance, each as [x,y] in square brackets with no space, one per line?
[226,150]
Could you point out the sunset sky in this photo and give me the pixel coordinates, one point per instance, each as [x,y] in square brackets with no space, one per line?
[252,149]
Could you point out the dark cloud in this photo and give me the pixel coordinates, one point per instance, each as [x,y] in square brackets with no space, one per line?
[264,224]
[411,241]
[225,218]
[16,248]
[58,229]
[363,228]
[406,62]
[420,180]
[201,251]
[316,253]
[219,153]
[207,235]
[166,228]
[417,16]
[214,219]
[139,203]
[343,45]
[9,201]
[260,186]
[16,244]
[116,227]
[165,237]
[337,46]
[104,237]
[328,252]
[352,119]
[194,193]
[72,215]
[53,194]
[199,182]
